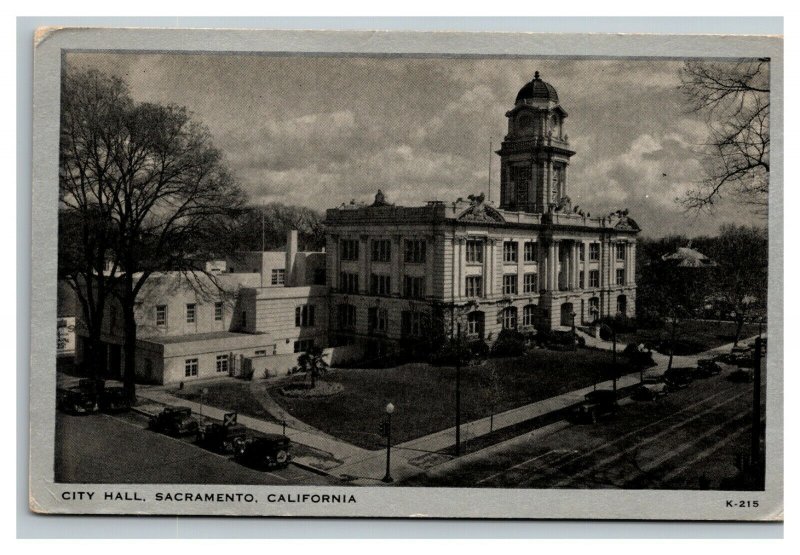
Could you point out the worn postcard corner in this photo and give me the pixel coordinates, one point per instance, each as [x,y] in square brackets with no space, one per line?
[291,274]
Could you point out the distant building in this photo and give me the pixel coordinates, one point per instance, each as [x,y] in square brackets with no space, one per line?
[227,320]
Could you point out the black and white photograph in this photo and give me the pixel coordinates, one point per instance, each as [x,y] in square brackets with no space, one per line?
[288,281]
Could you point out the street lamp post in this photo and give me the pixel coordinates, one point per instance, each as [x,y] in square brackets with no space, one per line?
[572,315]
[458,393]
[389,410]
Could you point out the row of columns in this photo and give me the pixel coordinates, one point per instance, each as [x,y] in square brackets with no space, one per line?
[558,265]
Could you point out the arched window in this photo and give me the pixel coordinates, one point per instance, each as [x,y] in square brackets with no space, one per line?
[529,315]
[475,323]
[622,305]
[509,315]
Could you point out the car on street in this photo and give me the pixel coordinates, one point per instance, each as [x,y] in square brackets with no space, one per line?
[215,436]
[651,388]
[114,399]
[741,375]
[268,451]
[76,401]
[174,421]
[678,378]
[706,368]
[595,405]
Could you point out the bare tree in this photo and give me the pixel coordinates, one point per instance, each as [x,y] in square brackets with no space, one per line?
[160,189]
[734,100]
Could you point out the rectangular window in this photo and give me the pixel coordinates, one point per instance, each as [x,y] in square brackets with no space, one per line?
[218,311]
[474,286]
[222,364]
[191,313]
[304,316]
[244,318]
[510,284]
[580,280]
[190,367]
[621,247]
[413,323]
[620,276]
[594,251]
[381,250]
[582,251]
[303,345]
[415,251]
[531,251]
[278,276]
[348,282]
[380,285]
[529,283]
[349,249]
[261,353]
[161,315]
[474,252]
[509,251]
[378,319]
[529,315]
[413,287]
[346,316]
[594,279]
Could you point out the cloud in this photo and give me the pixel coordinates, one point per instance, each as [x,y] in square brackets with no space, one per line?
[321,130]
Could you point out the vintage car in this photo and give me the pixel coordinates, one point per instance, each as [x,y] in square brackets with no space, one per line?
[268,451]
[114,399]
[218,437]
[678,378]
[596,405]
[75,401]
[174,421]
[706,368]
[92,386]
[651,388]
[741,375]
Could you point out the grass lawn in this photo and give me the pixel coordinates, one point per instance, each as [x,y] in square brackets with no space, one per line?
[696,335]
[424,396]
[232,396]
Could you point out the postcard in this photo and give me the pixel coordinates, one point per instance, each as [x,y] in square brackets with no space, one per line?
[397,274]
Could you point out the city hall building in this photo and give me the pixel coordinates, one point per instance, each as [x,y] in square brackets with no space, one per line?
[533,262]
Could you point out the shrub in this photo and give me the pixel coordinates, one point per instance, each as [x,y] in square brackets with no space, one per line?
[479,348]
[619,323]
[509,343]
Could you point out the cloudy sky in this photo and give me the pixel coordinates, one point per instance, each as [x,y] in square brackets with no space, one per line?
[319,131]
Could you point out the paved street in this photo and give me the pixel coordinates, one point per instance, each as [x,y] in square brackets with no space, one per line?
[688,440]
[102,448]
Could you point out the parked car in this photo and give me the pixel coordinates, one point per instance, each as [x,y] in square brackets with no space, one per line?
[174,421]
[741,375]
[707,368]
[268,451]
[114,399]
[92,386]
[678,378]
[651,388]
[596,405]
[75,401]
[218,437]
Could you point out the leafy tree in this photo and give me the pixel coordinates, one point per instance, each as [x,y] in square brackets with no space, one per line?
[734,100]
[312,363]
[147,179]
[741,279]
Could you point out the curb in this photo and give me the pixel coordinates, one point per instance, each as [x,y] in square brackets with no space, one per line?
[313,469]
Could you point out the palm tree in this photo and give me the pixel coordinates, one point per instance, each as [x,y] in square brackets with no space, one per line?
[312,362]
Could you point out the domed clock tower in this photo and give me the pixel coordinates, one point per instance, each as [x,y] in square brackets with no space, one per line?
[535,153]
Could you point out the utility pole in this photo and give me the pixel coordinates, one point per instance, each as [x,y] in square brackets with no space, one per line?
[458,392]
[755,433]
[490,169]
